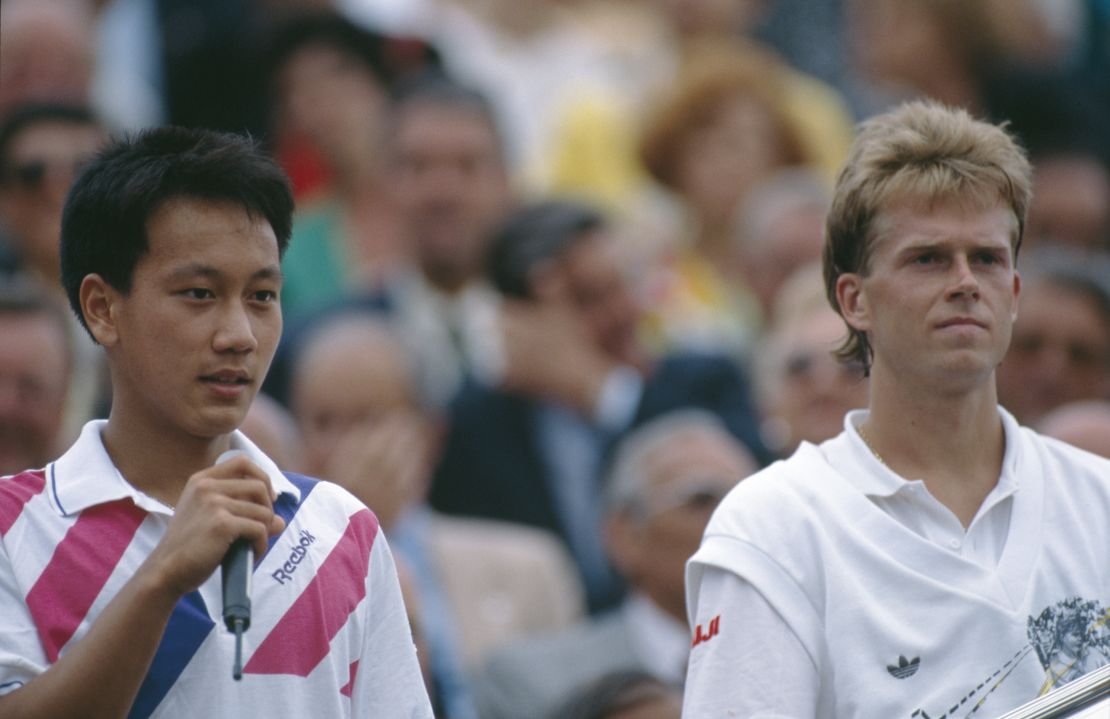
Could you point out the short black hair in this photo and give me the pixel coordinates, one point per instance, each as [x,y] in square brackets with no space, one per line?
[535,233]
[28,115]
[105,215]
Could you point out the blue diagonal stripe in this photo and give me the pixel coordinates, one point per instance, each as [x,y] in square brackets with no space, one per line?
[286,507]
[188,627]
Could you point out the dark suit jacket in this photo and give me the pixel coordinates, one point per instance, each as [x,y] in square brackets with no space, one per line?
[492,464]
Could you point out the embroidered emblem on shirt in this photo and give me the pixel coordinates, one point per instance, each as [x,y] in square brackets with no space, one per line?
[904,669]
[704,635]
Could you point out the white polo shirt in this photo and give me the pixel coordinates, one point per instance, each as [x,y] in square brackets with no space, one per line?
[328,637]
[827,585]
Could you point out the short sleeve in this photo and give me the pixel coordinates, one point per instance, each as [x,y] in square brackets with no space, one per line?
[746,660]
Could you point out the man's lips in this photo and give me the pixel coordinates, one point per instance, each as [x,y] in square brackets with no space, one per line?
[230,378]
[961,322]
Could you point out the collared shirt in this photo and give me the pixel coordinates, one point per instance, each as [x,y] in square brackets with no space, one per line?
[328,634]
[910,503]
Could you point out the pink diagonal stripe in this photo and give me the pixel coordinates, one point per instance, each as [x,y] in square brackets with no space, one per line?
[15,493]
[347,690]
[81,564]
[301,639]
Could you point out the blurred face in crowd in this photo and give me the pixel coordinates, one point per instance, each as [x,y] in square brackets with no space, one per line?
[450,183]
[40,165]
[792,240]
[335,396]
[34,376]
[720,161]
[335,100]
[688,474]
[1071,203]
[589,275]
[809,391]
[1060,352]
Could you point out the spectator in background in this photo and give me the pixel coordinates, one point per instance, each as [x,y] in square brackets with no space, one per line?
[36,355]
[1060,351]
[802,391]
[779,228]
[449,184]
[42,148]
[481,583]
[331,89]
[447,171]
[721,129]
[1084,424]
[666,478]
[46,52]
[526,444]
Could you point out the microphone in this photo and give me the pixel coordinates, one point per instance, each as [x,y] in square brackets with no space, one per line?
[236,570]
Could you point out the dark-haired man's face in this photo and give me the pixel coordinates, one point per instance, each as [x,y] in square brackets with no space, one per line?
[600,293]
[190,344]
[40,164]
[451,187]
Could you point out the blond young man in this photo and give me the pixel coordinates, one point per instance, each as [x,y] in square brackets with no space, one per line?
[934,559]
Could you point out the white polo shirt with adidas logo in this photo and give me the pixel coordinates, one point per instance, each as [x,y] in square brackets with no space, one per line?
[827,585]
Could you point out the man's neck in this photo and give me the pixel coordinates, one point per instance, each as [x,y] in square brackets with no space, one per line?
[154,464]
[953,442]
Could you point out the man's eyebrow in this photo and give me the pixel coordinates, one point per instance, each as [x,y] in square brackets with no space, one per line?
[198,270]
[270,272]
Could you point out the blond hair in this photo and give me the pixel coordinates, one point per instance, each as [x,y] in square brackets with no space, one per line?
[921,150]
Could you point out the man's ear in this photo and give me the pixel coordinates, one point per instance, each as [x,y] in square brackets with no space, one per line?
[100,307]
[852,301]
[1017,296]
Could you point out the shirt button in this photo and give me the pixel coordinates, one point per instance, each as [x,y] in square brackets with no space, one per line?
[954,543]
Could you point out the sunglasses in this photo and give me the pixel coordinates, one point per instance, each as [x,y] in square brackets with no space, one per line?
[31,175]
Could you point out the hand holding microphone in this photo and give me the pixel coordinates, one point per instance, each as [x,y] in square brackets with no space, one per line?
[236,570]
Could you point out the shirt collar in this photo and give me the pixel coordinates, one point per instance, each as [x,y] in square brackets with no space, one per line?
[85,476]
[875,479]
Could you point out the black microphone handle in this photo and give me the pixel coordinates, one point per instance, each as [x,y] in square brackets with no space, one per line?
[235,572]
[237,567]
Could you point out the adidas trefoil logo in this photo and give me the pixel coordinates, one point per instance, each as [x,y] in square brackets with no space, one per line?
[904,669]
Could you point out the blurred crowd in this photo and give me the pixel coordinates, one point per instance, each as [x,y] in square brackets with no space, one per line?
[554,284]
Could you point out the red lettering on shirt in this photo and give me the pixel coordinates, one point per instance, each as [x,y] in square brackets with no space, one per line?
[702,635]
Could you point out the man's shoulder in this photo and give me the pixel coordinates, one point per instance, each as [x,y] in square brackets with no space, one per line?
[789,494]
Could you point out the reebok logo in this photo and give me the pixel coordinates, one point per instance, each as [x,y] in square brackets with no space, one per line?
[904,669]
[701,635]
[296,556]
